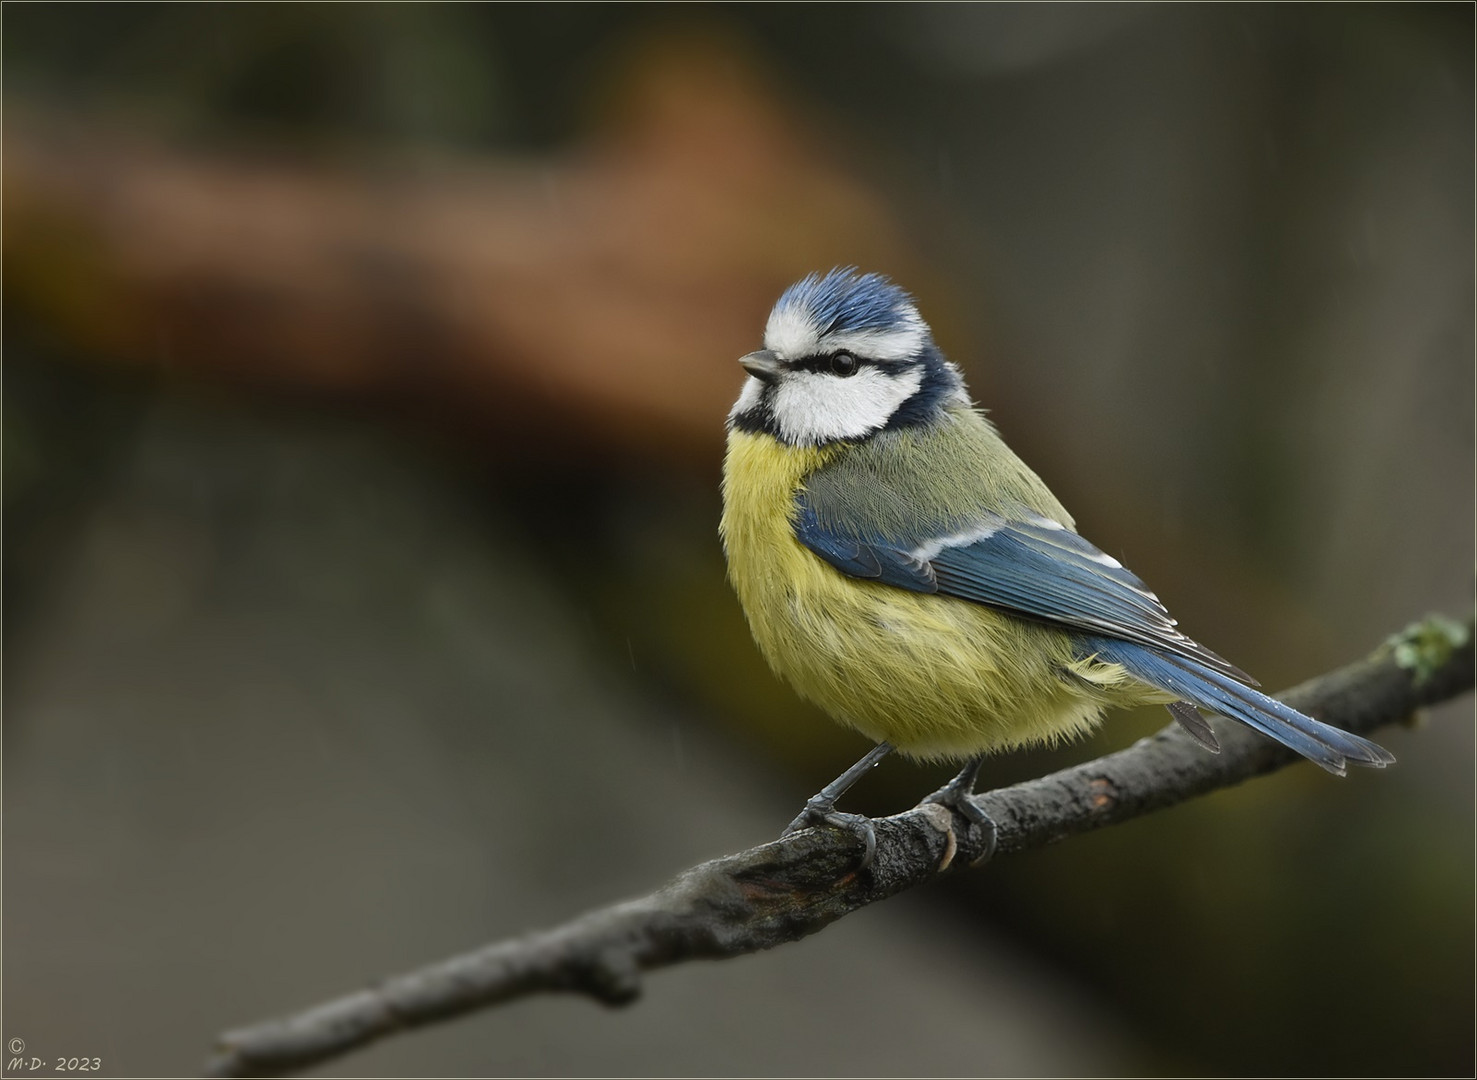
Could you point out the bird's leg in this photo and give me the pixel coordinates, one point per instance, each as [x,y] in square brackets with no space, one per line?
[821,809]
[956,795]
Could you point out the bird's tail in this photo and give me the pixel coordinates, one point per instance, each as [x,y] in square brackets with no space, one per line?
[1215,692]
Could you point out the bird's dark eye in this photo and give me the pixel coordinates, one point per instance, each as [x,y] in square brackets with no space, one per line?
[844,364]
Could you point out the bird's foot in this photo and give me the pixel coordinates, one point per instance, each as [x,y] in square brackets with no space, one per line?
[824,813]
[821,809]
[958,795]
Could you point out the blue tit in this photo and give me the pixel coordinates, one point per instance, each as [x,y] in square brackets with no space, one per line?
[905,571]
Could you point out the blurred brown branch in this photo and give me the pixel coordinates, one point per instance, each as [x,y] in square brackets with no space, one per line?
[613,282]
[790,888]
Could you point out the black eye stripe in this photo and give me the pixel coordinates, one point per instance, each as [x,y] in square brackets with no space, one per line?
[825,363]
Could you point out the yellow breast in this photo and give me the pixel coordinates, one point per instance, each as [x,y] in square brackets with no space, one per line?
[935,676]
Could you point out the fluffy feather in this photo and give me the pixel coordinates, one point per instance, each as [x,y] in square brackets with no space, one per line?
[935,676]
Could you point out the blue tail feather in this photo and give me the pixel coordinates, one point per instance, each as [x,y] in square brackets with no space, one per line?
[1329,747]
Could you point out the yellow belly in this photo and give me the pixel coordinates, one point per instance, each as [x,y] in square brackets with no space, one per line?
[935,676]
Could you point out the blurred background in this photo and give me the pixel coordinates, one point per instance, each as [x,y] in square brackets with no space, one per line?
[365,376]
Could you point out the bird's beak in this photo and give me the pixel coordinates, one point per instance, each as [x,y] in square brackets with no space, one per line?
[763,365]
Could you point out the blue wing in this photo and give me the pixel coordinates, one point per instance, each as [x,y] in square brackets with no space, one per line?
[1034,567]
[1030,565]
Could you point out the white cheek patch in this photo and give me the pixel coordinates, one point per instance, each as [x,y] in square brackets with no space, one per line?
[811,407]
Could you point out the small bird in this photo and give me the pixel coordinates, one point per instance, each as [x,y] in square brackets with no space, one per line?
[905,571]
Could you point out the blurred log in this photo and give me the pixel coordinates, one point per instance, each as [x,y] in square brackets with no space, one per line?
[604,291]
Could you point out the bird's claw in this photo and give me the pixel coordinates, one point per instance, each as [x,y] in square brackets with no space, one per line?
[959,799]
[857,825]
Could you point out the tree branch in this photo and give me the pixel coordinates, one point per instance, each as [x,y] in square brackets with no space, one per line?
[789,888]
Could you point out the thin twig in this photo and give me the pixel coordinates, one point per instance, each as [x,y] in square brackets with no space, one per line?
[789,888]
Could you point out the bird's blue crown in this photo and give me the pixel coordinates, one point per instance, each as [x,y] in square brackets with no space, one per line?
[846,299]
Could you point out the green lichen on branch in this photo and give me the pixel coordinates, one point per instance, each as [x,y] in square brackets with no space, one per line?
[1425,647]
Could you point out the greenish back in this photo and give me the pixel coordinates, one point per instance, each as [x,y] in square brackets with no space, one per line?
[912,483]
